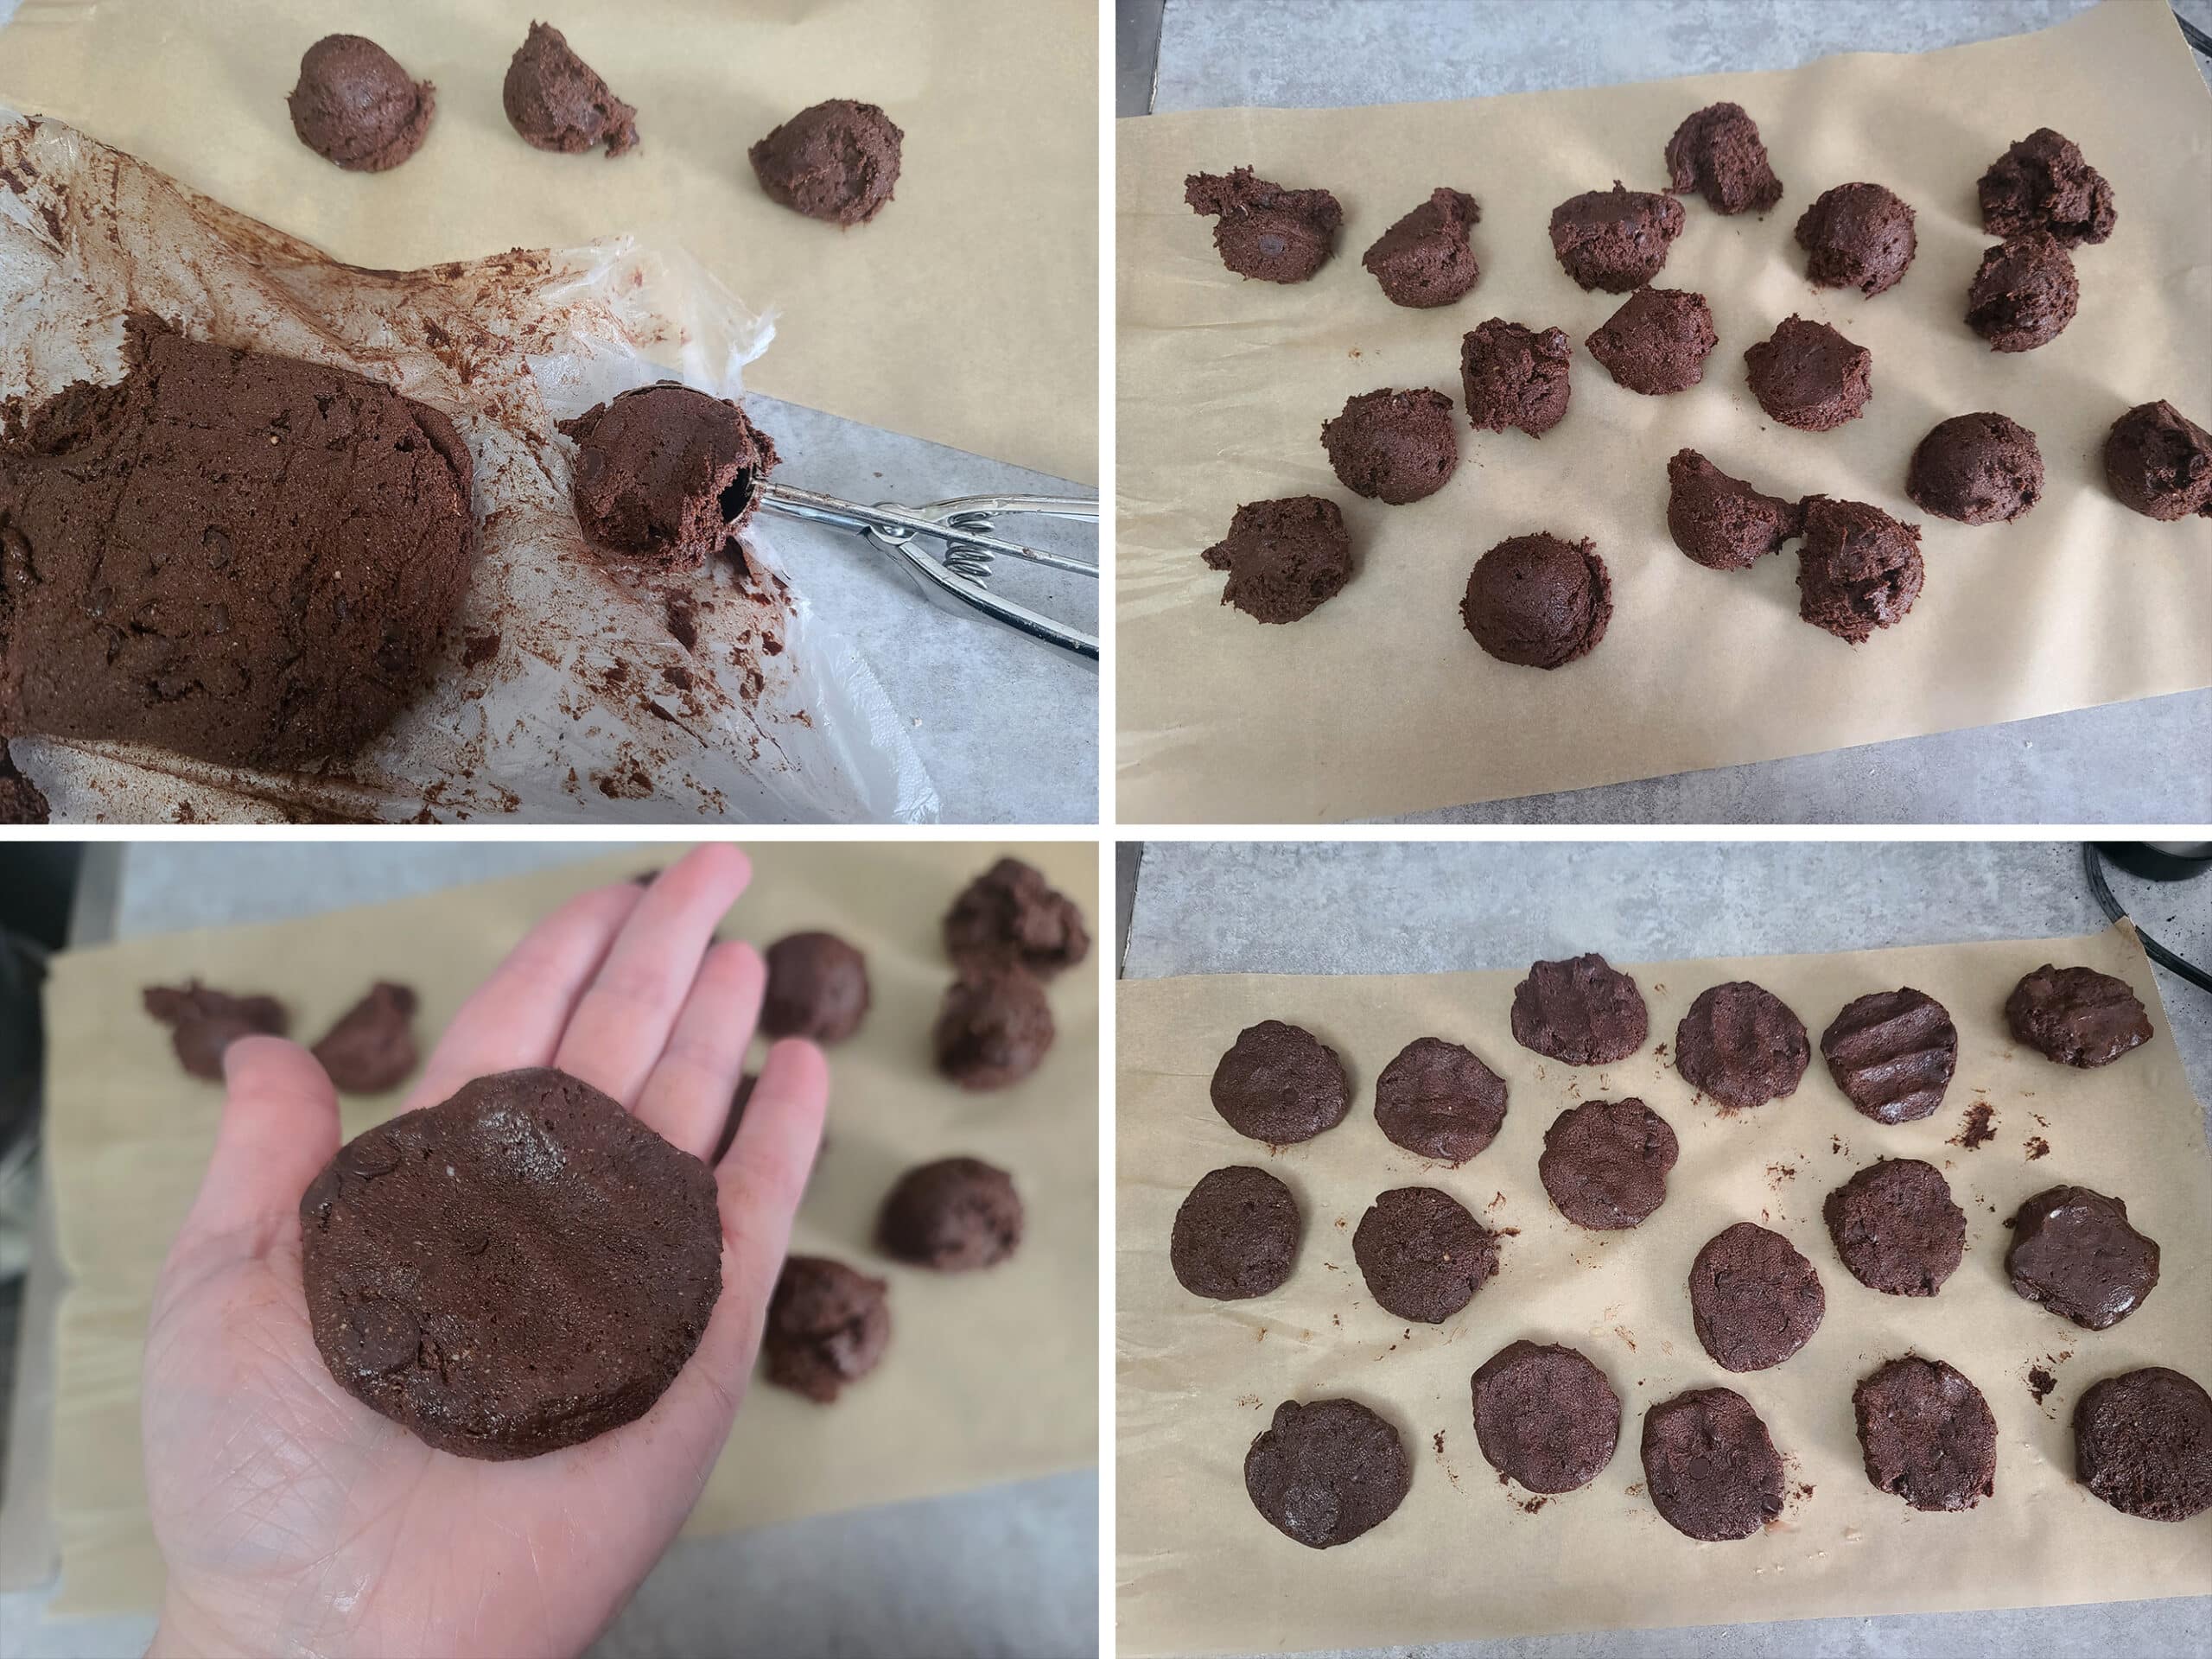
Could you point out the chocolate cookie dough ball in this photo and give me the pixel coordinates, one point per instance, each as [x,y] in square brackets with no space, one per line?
[1262,230]
[2143,1443]
[1710,1465]
[354,105]
[827,1326]
[1393,445]
[203,1022]
[1926,1435]
[556,101]
[993,1029]
[1740,1044]
[1857,236]
[836,160]
[1423,1256]
[2076,1016]
[1538,601]
[1582,1010]
[666,475]
[1281,1084]
[1859,569]
[2042,183]
[953,1215]
[520,1268]
[1657,342]
[1808,376]
[1605,1163]
[1892,1053]
[2074,1252]
[1011,917]
[2159,462]
[1437,1100]
[1717,152]
[1424,259]
[1235,1236]
[817,987]
[1615,240]
[2023,293]
[1979,469]
[1324,1472]
[1284,558]
[1896,1227]
[1720,522]
[1514,376]
[371,1048]
[1545,1416]
[1754,1298]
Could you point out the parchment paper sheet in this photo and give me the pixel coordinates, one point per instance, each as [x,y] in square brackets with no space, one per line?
[1380,704]
[1200,1571]
[967,312]
[989,1377]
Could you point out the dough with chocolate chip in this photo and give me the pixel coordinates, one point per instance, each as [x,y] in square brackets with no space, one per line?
[1605,1163]
[1896,1227]
[1740,1044]
[993,1029]
[355,107]
[2143,1443]
[1262,230]
[203,1022]
[1513,376]
[2158,462]
[1657,342]
[1438,1100]
[836,160]
[1754,1298]
[1424,259]
[1808,376]
[1392,446]
[1615,240]
[1545,1416]
[1926,1435]
[1423,1256]
[951,1215]
[2076,1016]
[1284,558]
[817,987]
[1235,1235]
[827,1326]
[1722,522]
[1281,1084]
[2074,1252]
[371,1048]
[1324,1472]
[1978,469]
[1582,1010]
[2023,293]
[1859,570]
[1011,917]
[1710,1465]
[1857,236]
[2043,183]
[1538,601]
[556,101]
[1892,1053]
[1717,152]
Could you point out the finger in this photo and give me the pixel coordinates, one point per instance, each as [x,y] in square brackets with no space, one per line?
[623,1020]
[516,1017]
[687,1099]
[279,1127]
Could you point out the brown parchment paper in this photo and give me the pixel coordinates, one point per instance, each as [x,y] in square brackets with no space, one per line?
[988,1378]
[1380,702]
[1465,1556]
[967,312]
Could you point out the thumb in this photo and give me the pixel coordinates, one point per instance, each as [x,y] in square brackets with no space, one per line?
[279,1128]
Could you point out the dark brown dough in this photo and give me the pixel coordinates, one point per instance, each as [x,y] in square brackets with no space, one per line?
[250,559]
[1284,558]
[1424,259]
[1393,445]
[1011,917]
[1717,153]
[1926,1433]
[2158,462]
[1896,1227]
[1615,240]
[1605,1163]
[1514,375]
[1263,231]
[665,475]
[836,160]
[1808,376]
[952,1214]
[1721,522]
[2023,293]
[2143,1443]
[204,1022]
[1235,1235]
[354,106]
[2076,1016]
[817,987]
[1859,569]
[1582,1010]
[1857,236]
[827,1326]
[1741,1044]
[22,801]
[1892,1053]
[1710,1465]
[1657,342]
[1979,469]
[1754,1298]
[1545,1416]
[1423,1256]
[1324,1472]
[1281,1084]
[1538,601]
[556,101]
[2042,183]
[993,1029]
[520,1268]
[1438,1100]
[2074,1252]
[371,1048]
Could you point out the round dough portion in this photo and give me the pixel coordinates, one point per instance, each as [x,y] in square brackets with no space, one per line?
[1982,468]
[1657,342]
[556,101]
[1424,259]
[1545,1416]
[1281,1084]
[1423,1255]
[1896,1227]
[1581,1010]
[1859,569]
[1615,240]
[1538,601]
[952,1214]
[1717,153]
[1710,1465]
[1235,1235]
[993,1029]
[1284,558]
[2076,1016]
[2045,183]
[665,475]
[827,1326]
[836,160]
[1514,375]
[1391,446]
[1011,917]
[817,987]
[2024,294]
[1720,522]
[1262,230]
[2074,1251]
[1324,1472]
[1605,1163]
[355,107]
[1741,1044]
[1893,1054]
[372,1046]
[1438,1100]
[2143,1443]
[1754,1298]
[1926,1433]
[1857,236]
[1807,375]
[2158,462]
[204,1022]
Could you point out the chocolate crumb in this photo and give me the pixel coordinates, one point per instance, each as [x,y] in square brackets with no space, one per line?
[1977,1129]
[2038,1147]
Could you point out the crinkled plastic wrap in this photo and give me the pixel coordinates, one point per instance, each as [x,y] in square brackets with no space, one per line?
[570,692]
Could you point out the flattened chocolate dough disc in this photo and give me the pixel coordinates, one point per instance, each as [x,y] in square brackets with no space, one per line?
[1717,152]
[1010,916]
[1423,1255]
[203,1022]
[1281,1084]
[1424,259]
[952,1214]
[1262,230]
[371,1048]
[1892,1053]
[1437,1099]
[1284,558]
[1235,1235]
[1710,1465]
[2158,462]
[1615,240]
[1926,1433]
[1605,1163]
[2143,1443]
[517,1269]
[2076,1016]
[1545,1416]
[1896,1227]
[1514,375]
[1582,1010]
[1324,1472]
[827,1325]
[1741,1044]
[1754,1298]
[817,987]
[993,1029]
[2074,1251]
[1720,522]
[1391,446]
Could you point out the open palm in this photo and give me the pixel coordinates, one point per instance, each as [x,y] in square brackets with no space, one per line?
[294,1519]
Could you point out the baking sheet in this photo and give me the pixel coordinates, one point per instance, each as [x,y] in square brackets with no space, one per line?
[966,313]
[989,1377]
[1465,1555]
[1380,704]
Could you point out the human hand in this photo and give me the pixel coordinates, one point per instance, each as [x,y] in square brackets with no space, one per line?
[295,1519]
